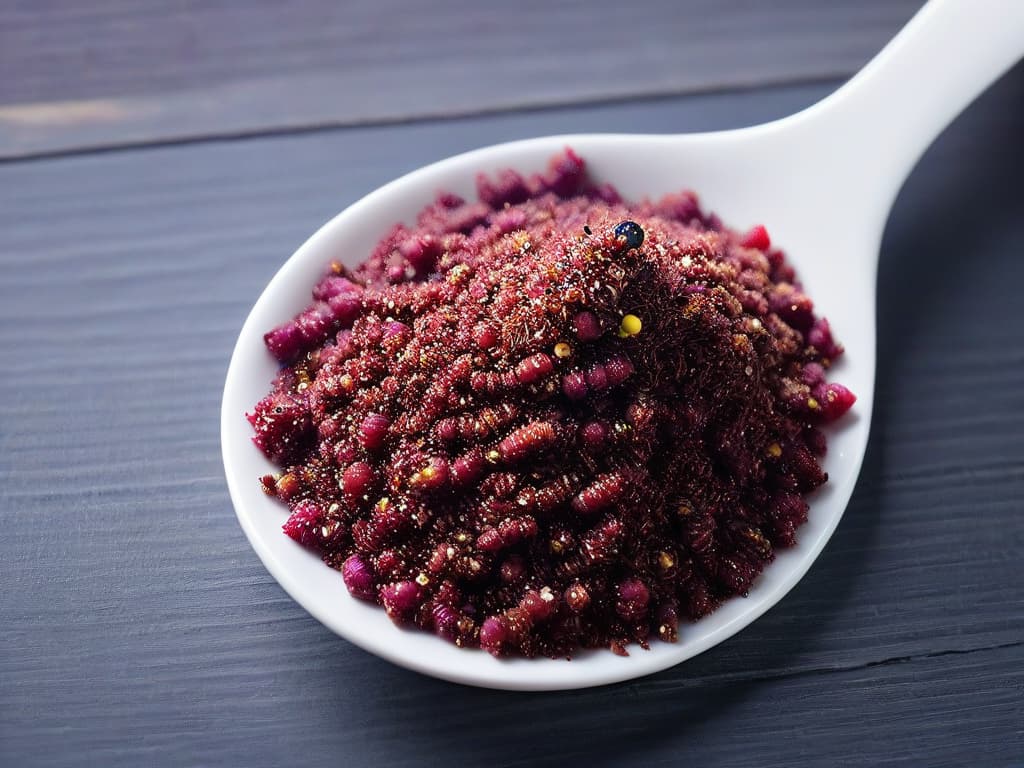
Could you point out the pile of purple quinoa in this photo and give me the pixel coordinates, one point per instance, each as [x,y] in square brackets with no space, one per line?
[552,420]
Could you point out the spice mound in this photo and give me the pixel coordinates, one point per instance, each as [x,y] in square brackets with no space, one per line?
[551,419]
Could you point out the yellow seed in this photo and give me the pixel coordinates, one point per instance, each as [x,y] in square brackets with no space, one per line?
[493,456]
[423,579]
[775,450]
[556,546]
[665,560]
[812,404]
[631,325]
[684,510]
[562,349]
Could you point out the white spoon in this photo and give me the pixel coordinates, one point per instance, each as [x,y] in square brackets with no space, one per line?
[822,181]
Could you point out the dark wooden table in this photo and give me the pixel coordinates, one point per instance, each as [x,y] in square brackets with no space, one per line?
[158,161]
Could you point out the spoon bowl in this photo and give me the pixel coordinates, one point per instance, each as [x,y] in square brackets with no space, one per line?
[822,181]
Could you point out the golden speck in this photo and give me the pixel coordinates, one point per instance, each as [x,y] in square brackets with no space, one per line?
[458,273]
[423,579]
[427,473]
[758,538]
[665,560]
[493,456]
[813,404]
[557,547]
[775,450]
[562,349]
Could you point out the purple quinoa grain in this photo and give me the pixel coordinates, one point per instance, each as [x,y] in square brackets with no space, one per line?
[552,420]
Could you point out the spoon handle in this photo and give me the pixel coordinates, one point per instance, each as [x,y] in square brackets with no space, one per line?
[886,116]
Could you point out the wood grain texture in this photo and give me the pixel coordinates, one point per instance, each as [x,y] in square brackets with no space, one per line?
[138,627]
[118,71]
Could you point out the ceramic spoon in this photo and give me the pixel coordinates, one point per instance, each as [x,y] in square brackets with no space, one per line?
[822,181]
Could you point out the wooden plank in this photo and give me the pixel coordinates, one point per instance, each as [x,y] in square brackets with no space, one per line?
[306,704]
[118,72]
[138,626]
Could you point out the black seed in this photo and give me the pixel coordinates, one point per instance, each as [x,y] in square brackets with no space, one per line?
[631,232]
